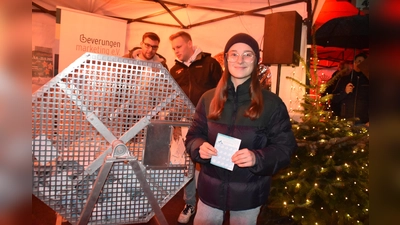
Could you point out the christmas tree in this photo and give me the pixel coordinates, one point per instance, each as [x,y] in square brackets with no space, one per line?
[327,180]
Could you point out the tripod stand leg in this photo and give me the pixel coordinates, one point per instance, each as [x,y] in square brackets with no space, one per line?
[94,194]
[149,194]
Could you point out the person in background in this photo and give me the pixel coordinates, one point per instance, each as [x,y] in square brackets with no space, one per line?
[239,107]
[148,49]
[343,69]
[352,94]
[196,72]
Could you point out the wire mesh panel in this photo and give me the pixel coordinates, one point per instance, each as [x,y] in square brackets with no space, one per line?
[80,113]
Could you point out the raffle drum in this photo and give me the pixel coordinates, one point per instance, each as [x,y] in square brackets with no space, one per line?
[108,140]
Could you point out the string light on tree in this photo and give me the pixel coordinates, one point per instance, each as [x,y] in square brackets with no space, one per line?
[330,169]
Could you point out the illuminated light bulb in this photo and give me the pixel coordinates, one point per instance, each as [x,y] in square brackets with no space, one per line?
[322,207]
[305,170]
[355,182]
[297,185]
[302,217]
[366,189]
[338,178]
[331,193]
[366,210]
[336,211]
[284,203]
[348,215]
[345,198]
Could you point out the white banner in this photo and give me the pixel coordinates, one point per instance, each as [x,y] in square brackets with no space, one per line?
[79,32]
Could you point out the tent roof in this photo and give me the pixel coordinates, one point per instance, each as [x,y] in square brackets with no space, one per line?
[188,14]
[174,13]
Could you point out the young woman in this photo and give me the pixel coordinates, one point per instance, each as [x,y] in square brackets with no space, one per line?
[240,108]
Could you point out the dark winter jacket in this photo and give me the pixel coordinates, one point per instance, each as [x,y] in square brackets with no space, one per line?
[270,138]
[355,104]
[202,75]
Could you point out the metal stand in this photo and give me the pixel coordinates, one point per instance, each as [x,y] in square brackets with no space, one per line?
[101,178]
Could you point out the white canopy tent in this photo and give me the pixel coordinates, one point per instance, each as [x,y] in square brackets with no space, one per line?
[210,22]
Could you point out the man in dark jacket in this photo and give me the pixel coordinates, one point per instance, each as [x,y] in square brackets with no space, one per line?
[352,94]
[148,49]
[196,72]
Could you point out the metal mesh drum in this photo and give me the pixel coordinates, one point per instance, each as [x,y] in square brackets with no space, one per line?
[107,140]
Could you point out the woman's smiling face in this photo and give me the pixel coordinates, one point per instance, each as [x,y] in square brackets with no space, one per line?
[241,64]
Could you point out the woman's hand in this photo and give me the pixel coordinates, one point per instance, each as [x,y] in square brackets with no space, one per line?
[207,150]
[244,158]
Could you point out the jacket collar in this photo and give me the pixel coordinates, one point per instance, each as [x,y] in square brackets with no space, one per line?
[199,56]
[242,91]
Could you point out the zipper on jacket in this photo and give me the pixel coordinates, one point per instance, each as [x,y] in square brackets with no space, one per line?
[235,108]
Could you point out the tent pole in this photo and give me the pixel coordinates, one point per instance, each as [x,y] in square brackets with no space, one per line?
[278,79]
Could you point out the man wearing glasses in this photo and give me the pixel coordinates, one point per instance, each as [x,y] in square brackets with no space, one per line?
[148,49]
[196,72]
